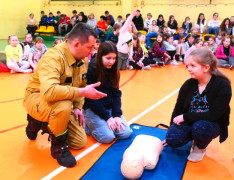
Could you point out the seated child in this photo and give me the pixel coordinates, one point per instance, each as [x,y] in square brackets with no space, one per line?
[181,31]
[194,33]
[197,44]
[152,32]
[225,54]
[26,45]
[171,48]
[14,55]
[107,31]
[119,21]
[188,44]
[205,44]
[95,50]
[158,50]
[136,56]
[114,36]
[212,45]
[101,26]
[36,52]
[220,36]
[57,41]
[180,47]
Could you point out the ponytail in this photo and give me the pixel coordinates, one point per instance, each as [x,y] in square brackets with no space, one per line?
[204,57]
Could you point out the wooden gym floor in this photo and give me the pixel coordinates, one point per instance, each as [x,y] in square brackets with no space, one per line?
[148,98]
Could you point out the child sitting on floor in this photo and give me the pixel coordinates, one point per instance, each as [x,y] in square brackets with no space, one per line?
[220,36]
[206,44]
[36,52]
[26,45]
[57,41]
[14,55]
[171,48]
[188,44]
[136,56]
[180,48]
[212,45]
[158,51]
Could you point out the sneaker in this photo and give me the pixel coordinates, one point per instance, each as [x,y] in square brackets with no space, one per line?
[227,66]
[181,59]
[196,154]
[12,72]
[232,67]
[173,62]
[146,67]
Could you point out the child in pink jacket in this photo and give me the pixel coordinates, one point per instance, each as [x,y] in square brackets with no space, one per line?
[225,54]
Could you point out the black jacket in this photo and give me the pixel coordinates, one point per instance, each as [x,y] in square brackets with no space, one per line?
[138,21]
[218,92]
[112,101]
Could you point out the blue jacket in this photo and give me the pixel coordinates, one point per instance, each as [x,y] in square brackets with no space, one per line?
[177,35]
[112,101]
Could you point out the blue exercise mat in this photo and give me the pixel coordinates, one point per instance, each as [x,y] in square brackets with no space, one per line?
[171,164]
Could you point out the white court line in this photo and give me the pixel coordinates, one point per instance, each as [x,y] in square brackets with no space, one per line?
[61,168]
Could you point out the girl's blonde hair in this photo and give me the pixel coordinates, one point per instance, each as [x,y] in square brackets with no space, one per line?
[9,38]
[204,57]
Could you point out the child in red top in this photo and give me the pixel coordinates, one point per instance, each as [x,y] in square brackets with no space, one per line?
[101,25]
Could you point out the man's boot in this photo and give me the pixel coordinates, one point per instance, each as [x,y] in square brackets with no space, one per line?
[60,151]
[34,126]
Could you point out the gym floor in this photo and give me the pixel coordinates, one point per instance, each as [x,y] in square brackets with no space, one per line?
[148,99]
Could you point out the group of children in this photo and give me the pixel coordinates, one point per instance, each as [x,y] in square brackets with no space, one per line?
[23,57]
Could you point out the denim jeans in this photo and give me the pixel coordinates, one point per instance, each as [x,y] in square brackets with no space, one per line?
[229,60]
[202,132]
[98,128]
[149,36]
[214,29]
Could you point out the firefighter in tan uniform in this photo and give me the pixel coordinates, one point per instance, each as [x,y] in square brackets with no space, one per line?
[55,94]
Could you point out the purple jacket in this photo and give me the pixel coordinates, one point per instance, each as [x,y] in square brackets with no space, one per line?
[220,52]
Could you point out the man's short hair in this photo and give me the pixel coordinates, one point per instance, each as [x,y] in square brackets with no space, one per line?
[42,12]
[58,12]
[74,11]
[81,31]
[106,12]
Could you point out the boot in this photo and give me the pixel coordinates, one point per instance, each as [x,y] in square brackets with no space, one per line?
[34,126]
[60,151]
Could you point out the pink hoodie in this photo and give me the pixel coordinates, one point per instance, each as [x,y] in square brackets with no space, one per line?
[220,52]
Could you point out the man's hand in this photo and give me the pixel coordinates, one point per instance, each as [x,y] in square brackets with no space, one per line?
[79,117]
[90,92]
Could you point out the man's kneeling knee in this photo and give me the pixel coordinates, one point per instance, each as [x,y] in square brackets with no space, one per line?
[77,143]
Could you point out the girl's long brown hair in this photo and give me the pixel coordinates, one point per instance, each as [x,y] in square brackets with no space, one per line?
[204,57]
[160,44]
[221,43]
[101,73]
